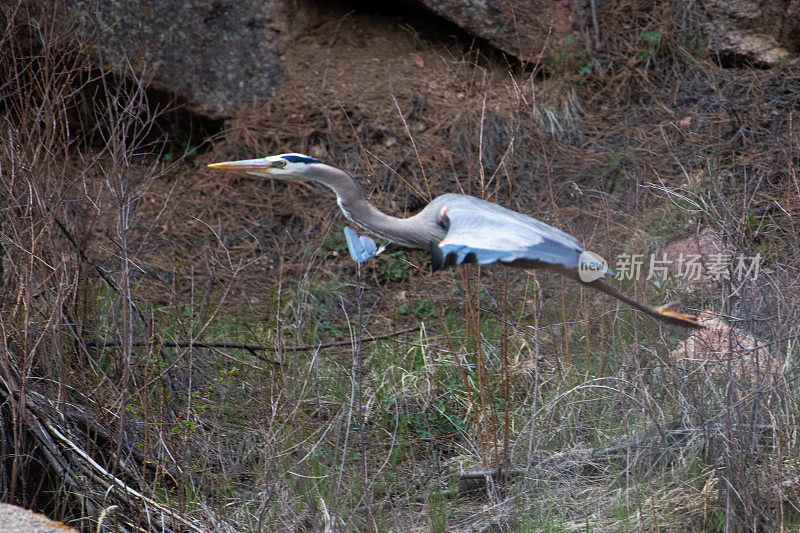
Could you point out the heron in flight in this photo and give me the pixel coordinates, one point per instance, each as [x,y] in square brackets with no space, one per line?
[455,229]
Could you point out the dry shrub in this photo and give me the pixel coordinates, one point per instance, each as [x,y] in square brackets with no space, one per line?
[77,155]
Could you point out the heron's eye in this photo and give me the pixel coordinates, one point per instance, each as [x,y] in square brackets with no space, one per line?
[281,163]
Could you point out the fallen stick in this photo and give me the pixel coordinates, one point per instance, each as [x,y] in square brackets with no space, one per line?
[97,343]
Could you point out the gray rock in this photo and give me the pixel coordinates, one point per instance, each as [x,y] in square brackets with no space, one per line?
[15,519]
[216,55]
[518,27]
[764,31]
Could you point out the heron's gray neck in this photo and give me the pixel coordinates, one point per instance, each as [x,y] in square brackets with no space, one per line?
[418,231]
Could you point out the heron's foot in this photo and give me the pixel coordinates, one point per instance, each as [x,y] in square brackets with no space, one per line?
[681,319]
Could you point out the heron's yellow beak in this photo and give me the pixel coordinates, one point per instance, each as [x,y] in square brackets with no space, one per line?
[246,165]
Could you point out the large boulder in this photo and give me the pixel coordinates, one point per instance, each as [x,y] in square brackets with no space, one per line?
[518,27]
[761,31]
[216,56]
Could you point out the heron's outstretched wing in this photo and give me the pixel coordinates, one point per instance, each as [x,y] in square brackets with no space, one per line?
[482,232]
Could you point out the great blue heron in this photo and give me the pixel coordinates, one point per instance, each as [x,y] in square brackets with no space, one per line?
[454,228]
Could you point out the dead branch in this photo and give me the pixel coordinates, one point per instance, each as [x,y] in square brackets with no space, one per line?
[252,348]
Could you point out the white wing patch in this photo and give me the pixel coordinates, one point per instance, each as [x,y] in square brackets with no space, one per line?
[502,241]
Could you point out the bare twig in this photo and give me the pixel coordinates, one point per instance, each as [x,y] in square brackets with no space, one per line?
[252,348]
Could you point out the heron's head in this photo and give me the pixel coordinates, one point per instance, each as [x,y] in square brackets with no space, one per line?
[284,166]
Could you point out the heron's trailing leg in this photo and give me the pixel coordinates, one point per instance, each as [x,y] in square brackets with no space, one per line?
[664,313]
[681,318]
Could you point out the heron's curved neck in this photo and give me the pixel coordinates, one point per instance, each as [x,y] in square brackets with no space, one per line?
[417,231]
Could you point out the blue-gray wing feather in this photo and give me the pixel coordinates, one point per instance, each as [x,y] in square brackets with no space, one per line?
[361,247]
[482,232]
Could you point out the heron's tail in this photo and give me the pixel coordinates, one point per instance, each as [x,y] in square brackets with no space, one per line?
[664,313]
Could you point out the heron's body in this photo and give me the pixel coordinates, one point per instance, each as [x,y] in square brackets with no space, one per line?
[454,228]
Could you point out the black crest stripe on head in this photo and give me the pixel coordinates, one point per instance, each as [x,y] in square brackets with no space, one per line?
[299,159]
